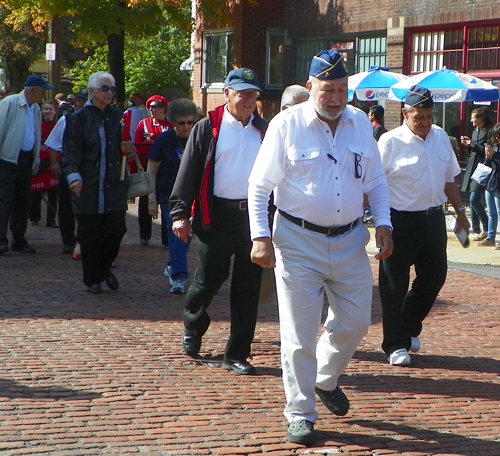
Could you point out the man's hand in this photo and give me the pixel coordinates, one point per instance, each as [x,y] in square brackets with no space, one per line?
[35,170]
[263,252]
[384,242]
[462,222]
[182,229]
[76,187]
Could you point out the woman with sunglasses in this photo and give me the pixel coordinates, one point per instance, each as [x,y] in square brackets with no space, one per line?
[164,160]
[92,165]
[147,131]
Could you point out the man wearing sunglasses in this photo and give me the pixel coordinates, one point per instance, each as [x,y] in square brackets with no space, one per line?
[91,163]
[213,175]
[319,158]
[20,133]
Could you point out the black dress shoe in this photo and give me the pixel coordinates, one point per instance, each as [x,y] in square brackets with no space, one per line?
[4,248]
[240,367]
[26,248]
[335,401]
[67,249]
[112,281]
[191,344]
[95,289]
[52,225]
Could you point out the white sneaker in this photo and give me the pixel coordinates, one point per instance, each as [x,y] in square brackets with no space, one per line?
[399,358]
[168,274]
[178,286]
[415,344]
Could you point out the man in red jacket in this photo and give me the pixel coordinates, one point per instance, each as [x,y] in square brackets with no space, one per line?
[212,182]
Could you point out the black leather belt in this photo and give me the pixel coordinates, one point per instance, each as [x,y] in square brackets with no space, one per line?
[429,211]
[241,205]
[330,231]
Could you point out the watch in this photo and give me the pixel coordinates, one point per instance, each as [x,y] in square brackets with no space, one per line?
[386,226]
[461,209]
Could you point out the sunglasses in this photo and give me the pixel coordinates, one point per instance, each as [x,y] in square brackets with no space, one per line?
[105,88]
[184,122]
[155,106]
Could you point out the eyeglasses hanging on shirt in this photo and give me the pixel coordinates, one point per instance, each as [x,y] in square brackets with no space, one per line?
[358,170]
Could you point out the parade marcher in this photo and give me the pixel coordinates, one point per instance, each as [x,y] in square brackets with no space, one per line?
[164,160]
[319,158]
[65,215]
[213,175]
[292,95]
[92,162]
[482,124]
[148,129]
[20,140]
[421,167]
[35,213]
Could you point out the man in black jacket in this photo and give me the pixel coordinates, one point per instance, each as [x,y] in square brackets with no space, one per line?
[91,163]
[213,178]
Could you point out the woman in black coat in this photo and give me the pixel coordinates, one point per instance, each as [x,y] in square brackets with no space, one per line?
[482,124]
[91,163]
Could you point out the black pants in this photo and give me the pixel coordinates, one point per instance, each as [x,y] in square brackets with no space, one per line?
[65,215]
[230,236]
[419,240]
[100,236]
[35,212]
[15,196]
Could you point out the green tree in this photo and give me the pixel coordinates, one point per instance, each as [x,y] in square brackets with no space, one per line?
[151,65]
[21,43]
[105,21]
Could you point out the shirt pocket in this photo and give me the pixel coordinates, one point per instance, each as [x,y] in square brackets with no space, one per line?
[359,154]
[303,164]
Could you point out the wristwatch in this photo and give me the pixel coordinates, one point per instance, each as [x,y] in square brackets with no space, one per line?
[461,209]
[386,226]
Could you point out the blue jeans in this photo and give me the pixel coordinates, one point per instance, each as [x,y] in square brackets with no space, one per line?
[177,249]
[493,204]
[478,213]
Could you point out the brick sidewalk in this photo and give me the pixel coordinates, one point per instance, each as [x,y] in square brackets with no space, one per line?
[105,375]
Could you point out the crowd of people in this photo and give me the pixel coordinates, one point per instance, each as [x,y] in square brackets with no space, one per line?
[289,195]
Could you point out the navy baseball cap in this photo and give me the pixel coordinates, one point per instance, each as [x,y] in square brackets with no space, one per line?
[37,81]
[83,94]
[242,79]
[419,97]
[327,65]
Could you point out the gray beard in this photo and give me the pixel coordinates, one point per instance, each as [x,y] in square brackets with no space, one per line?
[327,115]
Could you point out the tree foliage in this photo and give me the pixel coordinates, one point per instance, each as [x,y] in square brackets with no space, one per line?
[151,65]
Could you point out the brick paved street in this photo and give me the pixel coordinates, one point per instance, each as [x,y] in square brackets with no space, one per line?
[105,375]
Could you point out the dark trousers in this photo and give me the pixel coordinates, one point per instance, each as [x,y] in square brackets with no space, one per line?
[35,212]
[230,236]
[419,240]
[145,220]
[65,215]
[15,195]
[100,236]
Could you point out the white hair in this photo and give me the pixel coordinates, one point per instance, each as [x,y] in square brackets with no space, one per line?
[96,79]
[288,98]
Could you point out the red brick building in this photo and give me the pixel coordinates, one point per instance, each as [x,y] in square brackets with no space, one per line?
[277,39]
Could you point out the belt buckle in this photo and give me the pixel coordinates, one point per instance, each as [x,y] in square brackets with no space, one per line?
[332,231]
[242,205]
[430,211]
